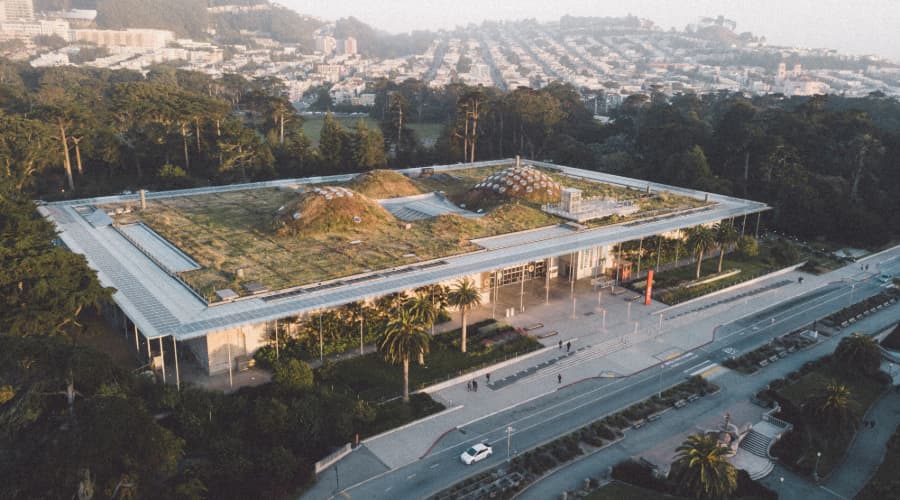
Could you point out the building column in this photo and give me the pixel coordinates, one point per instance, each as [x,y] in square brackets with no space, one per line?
[640,254]
[177,373]
[137,345]
[162,357]
[619,264]
[230,361]
[758,216]
[547,280]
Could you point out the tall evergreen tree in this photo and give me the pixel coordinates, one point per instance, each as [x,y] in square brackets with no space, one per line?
[368,150]
[332,145]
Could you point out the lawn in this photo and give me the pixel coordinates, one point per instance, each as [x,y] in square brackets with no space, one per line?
[373,379]
[312,125]
[863,392]
[669,284]
[617,490]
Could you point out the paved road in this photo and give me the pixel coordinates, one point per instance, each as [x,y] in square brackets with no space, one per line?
[548,417]
[737,388]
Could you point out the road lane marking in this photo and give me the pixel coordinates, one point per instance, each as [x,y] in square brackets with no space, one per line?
[433,466]
[698,367]
[410,476]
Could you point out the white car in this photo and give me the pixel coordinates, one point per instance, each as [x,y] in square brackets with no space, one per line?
[476,453]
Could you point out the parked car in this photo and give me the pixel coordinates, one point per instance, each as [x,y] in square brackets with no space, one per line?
[476,453]
[885,278]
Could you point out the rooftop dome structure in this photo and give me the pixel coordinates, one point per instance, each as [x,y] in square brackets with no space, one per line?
[520,182]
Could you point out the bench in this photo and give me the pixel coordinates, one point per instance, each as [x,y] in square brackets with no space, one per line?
[548,334]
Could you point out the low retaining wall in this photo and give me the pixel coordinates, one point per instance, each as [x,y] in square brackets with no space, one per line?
[481,371]
[733,287]
[334,457]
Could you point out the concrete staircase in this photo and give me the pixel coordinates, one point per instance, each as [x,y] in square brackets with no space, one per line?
[757,444]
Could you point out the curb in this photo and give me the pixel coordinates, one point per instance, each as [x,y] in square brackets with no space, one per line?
[481,371]
[410,424]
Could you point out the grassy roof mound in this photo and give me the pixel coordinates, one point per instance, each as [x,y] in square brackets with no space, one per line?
[380,184]
[521,183]
[329,210]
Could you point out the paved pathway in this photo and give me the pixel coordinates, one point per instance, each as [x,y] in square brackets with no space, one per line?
[867,450]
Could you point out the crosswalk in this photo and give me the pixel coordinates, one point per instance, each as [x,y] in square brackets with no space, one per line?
[706,369]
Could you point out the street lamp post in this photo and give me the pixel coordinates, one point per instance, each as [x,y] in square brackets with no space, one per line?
[659,393]
[816,469]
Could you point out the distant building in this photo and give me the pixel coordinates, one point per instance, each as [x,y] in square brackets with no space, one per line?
[326,44]
[17,10]
[22,29]
[133,38]
[347,46]
[330,72]
[782,72]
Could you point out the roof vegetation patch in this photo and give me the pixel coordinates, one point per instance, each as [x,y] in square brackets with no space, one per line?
[328,209]
[381,184]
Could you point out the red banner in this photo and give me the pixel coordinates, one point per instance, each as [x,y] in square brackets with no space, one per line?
[649,287]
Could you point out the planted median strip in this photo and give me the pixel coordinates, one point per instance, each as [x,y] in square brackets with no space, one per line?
[526,468]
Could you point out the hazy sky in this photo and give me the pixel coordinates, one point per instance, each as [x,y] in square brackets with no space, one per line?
[851,26]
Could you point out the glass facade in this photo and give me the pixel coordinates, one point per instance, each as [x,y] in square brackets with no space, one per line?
[517,274]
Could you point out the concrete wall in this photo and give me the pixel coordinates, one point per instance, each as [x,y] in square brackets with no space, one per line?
[243,341]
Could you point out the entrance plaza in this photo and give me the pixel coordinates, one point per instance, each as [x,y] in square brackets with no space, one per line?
[209,271]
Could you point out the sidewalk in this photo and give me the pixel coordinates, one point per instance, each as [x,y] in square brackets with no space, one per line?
[586,329]
[867,450]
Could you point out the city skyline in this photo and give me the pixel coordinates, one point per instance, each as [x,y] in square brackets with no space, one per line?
[866,27]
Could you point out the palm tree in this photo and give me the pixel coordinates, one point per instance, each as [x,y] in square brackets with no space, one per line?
[404,337]
[859,353]
[424,312]
[700,240]
[701,470]
[726,236]
[831,407]
[464,296]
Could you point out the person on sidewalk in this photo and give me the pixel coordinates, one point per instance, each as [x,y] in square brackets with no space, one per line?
[487,378]
[560,344]
[469,386]
[559,378]
[568,346]
[475,385]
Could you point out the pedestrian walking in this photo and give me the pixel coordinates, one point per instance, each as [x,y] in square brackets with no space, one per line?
[487,377]
[559,378]
[867,267]
[469,386]
[475,385]
[560,344]
[568,346]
